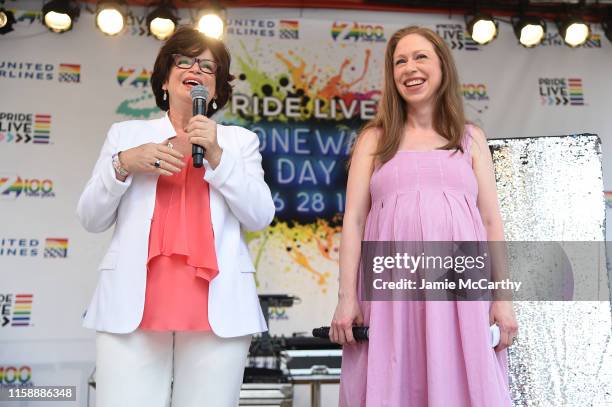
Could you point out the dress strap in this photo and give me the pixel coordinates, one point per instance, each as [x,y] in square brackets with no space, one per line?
[467,141]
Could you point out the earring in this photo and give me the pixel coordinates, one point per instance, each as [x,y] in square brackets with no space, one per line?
[165,95]
[214,104]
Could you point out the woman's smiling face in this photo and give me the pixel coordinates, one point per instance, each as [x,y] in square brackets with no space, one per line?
[416,69]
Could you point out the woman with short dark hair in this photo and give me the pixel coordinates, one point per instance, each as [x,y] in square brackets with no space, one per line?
[176,300]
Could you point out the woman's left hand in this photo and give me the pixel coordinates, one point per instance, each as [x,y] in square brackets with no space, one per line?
[502,314]
[203,131]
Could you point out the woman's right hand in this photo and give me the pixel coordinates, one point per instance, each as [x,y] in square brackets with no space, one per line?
[347,314]
[143,158]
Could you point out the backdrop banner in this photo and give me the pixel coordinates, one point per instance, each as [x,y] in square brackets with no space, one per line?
[306,81]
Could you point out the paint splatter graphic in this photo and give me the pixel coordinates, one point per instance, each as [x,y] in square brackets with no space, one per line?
[300,247]
[318,94]
[329,101]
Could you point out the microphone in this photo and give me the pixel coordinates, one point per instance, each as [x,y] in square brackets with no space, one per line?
[199,94]
[360,333]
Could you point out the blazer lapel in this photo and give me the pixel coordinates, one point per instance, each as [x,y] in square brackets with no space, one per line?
[164,129]
[216,200]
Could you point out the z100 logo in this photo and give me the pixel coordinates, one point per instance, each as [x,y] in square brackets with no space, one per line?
[142,105]
[357,32]
[561,91]
[473,91]
[12,375]
[456,38]
[127,76]
[12,186]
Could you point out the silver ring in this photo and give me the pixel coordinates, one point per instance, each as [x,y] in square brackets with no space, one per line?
[157,163]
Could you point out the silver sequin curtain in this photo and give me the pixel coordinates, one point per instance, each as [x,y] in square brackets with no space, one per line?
[551,189]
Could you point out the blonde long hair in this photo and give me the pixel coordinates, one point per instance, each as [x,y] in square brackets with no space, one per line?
[448,117]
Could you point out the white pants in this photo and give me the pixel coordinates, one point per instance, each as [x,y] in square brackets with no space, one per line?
[136,369]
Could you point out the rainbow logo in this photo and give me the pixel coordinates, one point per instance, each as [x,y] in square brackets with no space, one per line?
[608,198]
[7,188]
[31,187]
[23,128]
[561,91]
[594,41]
[289,29]
[337,28]
[41,129]
[123,74]
[456,37]
[56,248]
[142,80]
[476,91]
[469,43]
[69,73]
[575,91]
[358,32]
[22,310]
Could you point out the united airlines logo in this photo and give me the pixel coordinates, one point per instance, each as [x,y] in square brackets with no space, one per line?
[54,248]
[289,30]
[40,71]
[69,73]
[251,27]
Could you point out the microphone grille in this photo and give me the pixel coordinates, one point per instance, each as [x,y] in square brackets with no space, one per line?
[199,91]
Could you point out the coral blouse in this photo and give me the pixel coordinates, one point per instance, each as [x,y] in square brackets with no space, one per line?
[182,259]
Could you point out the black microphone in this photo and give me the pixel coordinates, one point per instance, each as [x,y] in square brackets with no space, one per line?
[199,94]
[360,333]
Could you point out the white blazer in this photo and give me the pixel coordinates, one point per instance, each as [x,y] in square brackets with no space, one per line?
[239,200]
